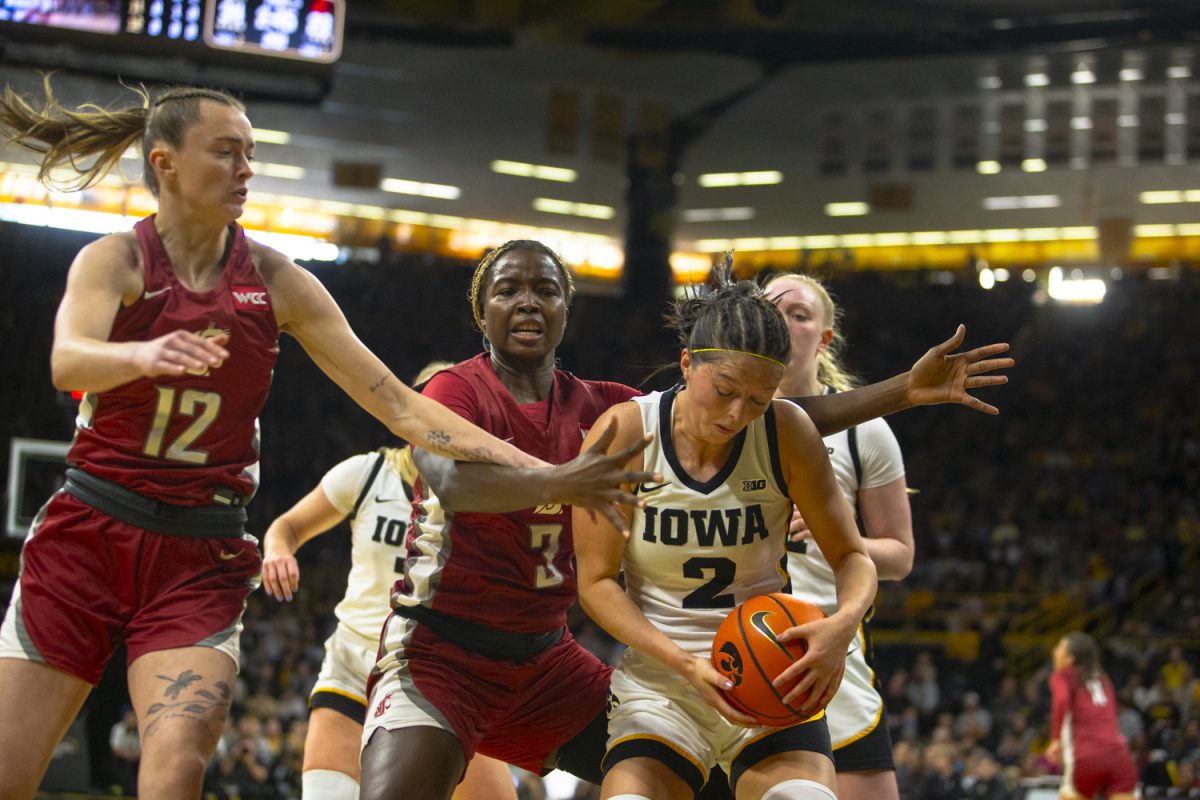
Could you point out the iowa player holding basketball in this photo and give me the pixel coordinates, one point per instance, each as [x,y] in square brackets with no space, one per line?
[172,332]
[710,536]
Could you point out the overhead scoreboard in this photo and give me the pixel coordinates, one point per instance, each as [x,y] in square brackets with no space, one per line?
[268,36]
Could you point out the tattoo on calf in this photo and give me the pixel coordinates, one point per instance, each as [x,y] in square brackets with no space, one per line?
[199,707]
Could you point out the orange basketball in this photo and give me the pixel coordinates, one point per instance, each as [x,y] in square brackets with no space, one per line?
[746,651]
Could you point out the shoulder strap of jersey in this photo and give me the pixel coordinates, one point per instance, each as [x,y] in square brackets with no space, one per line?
[852,435]
[367,486]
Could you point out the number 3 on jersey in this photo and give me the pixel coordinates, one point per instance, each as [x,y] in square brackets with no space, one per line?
[204,406]
[544,538]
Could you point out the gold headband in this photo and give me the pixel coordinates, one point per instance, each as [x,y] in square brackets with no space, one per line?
[743,352]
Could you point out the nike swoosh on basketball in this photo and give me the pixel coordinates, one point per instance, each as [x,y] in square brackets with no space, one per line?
[644,489]
[149,294]
[228,556]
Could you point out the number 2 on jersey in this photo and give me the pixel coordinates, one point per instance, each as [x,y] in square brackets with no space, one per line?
[709,595]
[189,401]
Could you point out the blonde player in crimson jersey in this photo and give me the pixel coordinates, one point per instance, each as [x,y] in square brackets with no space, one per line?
[869,469]
[171,330]
[711,535]
[374,491]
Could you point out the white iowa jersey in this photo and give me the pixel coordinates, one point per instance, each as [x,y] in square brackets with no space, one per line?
[879,454]
[700,548]
[377,539]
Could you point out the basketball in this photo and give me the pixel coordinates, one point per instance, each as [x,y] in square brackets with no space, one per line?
[746,652]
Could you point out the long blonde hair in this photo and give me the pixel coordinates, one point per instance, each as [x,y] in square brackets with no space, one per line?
[830,371]
[91,139]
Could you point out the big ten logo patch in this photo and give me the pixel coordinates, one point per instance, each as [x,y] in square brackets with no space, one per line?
[756,485]
[250,298]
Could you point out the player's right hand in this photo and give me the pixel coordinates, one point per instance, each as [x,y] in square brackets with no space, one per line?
[712,686]
[597,479]
[179,351]
[280,575]
[798,529]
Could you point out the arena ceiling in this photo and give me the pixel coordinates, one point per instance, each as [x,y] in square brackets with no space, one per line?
[432,92]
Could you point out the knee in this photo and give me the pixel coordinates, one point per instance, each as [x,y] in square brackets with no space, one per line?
[171,775]
[799,789]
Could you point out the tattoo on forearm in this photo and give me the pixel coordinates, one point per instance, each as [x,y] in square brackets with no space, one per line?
[442,443]
[208,708]
[379,382]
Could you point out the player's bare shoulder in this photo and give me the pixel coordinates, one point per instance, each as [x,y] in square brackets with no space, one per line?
[627,419]
[286,281]
[114,261]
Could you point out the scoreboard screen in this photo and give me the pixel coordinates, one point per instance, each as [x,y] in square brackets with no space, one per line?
[303,30]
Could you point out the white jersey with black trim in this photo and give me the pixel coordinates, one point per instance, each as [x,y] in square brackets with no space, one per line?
[377,539]
[879,453]
[699,548]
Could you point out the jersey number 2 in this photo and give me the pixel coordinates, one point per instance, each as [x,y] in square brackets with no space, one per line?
[204,406]
[709,595]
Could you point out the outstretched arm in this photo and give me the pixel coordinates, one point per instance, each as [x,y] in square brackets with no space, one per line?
[939,376]
[305,310]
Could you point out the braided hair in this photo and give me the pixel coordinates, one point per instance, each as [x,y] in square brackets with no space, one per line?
[91,139]
[475,294]
[731,315]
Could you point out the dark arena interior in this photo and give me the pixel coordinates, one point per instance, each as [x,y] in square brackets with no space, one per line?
[1027,168]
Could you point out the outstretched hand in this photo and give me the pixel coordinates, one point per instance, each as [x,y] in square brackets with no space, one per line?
[596,479]
[943,376]
[280,576]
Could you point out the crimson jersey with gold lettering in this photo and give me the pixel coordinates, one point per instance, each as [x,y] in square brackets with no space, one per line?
[179,439]
[515,571]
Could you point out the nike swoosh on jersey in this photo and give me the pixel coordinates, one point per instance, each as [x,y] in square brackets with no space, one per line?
[390,499]
[146,295]
[228,556]
[644,489]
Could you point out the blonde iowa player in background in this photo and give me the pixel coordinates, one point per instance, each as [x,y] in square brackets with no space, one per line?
[374,492]
[869,469]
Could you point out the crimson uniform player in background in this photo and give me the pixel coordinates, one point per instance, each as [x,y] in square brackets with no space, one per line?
[1083,727]
[172,331]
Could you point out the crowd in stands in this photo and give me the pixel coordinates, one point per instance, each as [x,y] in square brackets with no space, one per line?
[1077,507]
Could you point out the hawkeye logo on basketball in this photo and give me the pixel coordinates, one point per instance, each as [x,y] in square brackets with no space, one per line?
[250,298]
[719,526]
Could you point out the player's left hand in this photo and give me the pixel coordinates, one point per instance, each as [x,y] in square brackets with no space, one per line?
[1054,752]
[819,671]
[280,575]
[943,376]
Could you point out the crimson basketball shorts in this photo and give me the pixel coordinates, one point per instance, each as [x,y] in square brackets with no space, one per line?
[89,581]
[1110,771]
[514,711]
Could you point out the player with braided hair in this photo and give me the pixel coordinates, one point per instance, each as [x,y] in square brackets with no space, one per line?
[172,331]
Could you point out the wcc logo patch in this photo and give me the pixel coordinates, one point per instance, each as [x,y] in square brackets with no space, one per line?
[250,298]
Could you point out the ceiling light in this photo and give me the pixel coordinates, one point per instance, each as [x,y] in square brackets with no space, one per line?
[437,190]
[1037,79]
[988,167]
[1089,291]
[718,214]
[523,170]
[268,136]
[989,82]
[1081,123]
[987,279]
[758,178]
[1161,196]
[853,209]
[279,171]
[1021,201]
[1179,71]
[1034,165]
[1131,74]
[551,206]
[1152,231]
[1082,76]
